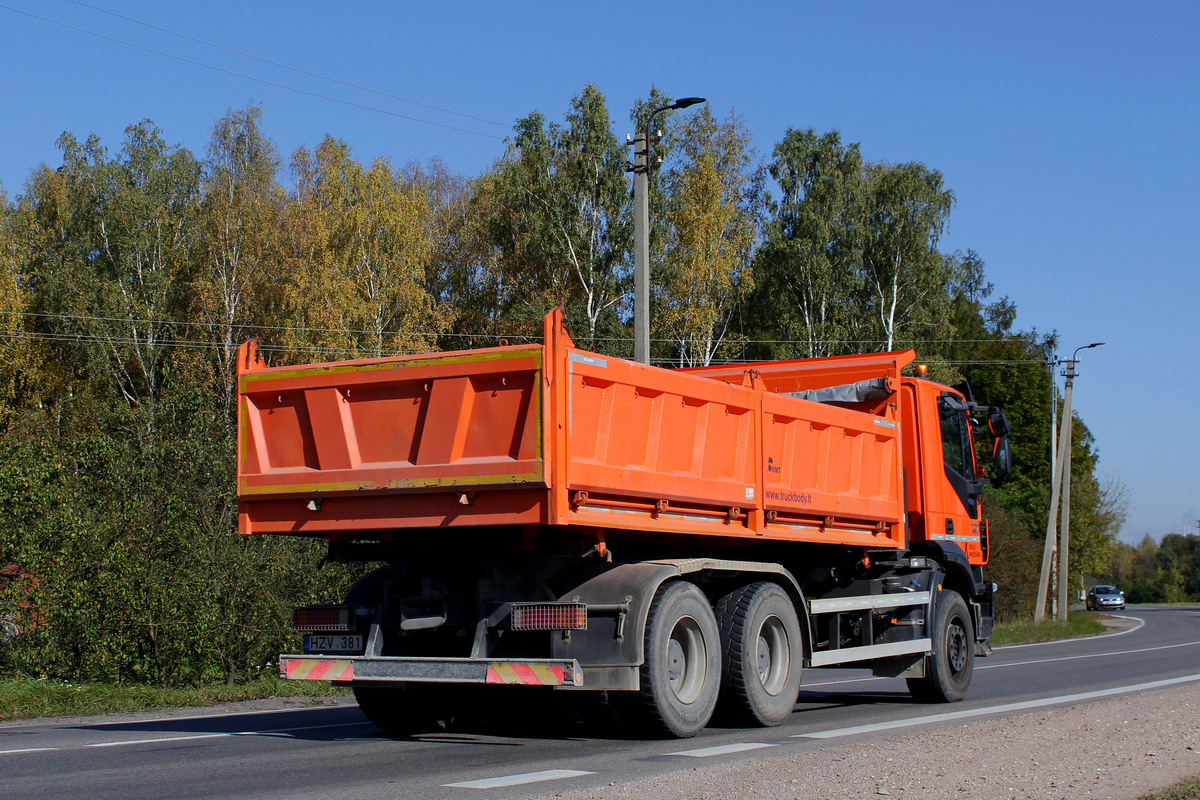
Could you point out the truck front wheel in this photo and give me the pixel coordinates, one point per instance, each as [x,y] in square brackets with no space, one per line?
[949,667]
[760,637]
[681,675]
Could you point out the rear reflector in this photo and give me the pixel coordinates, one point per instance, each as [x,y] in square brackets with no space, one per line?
[323,618]
[316,669]
[549,617]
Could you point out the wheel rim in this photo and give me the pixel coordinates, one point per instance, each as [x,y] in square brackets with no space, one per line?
[686,662]
[956,647]
[773,656]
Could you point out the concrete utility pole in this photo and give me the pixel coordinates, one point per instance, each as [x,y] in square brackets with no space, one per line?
[1039,610]
[642,166]
[1064,534]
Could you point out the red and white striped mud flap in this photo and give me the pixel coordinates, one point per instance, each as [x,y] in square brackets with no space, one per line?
[526,674]
[317,669]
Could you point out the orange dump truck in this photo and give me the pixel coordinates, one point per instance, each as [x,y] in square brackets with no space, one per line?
[684,540]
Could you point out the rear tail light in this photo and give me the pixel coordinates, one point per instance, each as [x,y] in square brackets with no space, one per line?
[549,617]
[323,618]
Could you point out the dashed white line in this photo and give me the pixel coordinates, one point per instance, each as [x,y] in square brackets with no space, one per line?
[517,780]
[1088,655]
[27,750]
[721,750]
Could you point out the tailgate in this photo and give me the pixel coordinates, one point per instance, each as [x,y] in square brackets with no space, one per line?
[448,422]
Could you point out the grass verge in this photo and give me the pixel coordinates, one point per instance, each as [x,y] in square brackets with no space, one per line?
[27,698]
[1184,790]
[1078,623]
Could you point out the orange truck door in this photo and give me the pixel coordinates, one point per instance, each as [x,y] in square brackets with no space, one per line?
[944,496]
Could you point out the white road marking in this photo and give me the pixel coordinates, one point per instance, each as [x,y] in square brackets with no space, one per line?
[188,738]
[1089,655]
[982,667]
[194,736]
[721,750]
[27,750]
[1000,709]
[517,780]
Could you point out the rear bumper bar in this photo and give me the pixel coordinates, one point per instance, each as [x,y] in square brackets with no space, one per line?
[361,669]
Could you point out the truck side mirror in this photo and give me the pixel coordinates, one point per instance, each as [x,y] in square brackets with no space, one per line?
[1001,459]
[998,422]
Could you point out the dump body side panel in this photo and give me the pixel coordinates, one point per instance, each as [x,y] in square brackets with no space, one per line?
[650,449]
[831,474]
[553,435]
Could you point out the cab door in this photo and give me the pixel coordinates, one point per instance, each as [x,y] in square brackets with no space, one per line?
[943,481]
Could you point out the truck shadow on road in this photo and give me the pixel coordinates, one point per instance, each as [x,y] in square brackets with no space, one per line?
[504,725]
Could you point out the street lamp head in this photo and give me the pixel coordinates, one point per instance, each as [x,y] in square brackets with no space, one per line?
[684,102]
[1086,347]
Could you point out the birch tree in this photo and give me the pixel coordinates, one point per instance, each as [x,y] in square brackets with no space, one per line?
[119,237]
[556,204]
[810,263]
[712,225]
[906,275]
[359,247]
[240,218]
[851,260]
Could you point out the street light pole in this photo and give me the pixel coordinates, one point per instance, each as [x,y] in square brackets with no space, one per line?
[642,165]
[1064,534]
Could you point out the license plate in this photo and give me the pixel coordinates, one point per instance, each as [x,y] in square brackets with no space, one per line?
[335,643]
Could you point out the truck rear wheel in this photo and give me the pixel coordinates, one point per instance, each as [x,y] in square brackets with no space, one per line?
[949,668]
[681,674]
[762,654]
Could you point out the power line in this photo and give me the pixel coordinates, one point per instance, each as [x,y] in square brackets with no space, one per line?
[64,337]
[304,329]
[247,326]
[287,66]
[264,81]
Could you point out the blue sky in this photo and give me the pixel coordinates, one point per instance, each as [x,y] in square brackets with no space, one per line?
[1067,130]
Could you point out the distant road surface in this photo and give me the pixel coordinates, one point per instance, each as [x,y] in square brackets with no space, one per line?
[332,752]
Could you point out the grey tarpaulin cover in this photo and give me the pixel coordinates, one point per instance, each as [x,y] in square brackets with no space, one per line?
[858,392]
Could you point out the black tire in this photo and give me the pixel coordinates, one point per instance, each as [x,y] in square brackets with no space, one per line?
[949,668]
[681,673]
[762,655]
[400,710]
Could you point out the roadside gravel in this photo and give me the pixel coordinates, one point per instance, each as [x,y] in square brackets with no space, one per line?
[1115,749]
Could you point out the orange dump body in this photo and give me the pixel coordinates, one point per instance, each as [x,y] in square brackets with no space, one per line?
[549,434]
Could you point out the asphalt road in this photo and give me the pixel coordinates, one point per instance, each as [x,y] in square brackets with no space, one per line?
[332,752]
